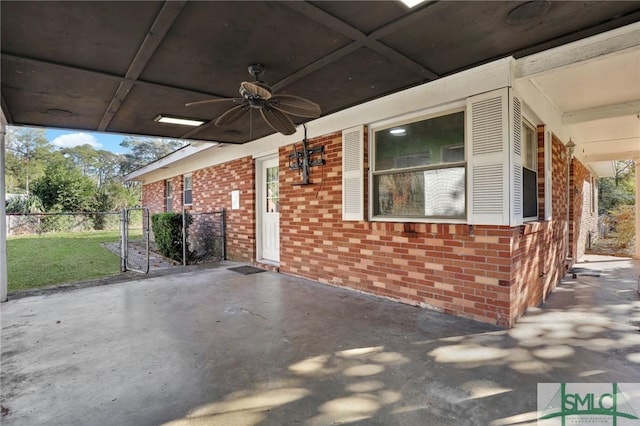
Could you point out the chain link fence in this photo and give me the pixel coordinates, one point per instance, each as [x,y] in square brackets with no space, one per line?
[42,223]
[204,234]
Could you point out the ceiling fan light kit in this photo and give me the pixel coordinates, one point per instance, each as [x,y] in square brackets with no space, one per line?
[275,109]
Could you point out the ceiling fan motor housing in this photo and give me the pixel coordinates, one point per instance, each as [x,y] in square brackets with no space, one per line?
[256,70]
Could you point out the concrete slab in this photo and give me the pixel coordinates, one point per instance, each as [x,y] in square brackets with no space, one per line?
[210,346]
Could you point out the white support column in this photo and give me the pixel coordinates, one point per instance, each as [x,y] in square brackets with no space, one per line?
[3,217]
[637,256]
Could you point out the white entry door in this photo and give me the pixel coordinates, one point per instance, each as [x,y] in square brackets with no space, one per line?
[269,213]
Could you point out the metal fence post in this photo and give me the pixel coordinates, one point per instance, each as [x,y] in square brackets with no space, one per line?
[123,240]
[184,237]
[223,232]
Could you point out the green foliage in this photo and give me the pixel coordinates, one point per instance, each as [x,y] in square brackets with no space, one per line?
[167,229]
[64,188]
[121,196]
[27,153]
[618,190]
[66,223]
[103,166]
[146,150]
[78,178]
[624,225]
[25,204]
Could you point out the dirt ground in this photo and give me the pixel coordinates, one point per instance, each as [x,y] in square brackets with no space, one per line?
[609,246]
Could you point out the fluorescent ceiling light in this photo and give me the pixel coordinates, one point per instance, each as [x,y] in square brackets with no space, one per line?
[177,120]
[412,3]
[398,131]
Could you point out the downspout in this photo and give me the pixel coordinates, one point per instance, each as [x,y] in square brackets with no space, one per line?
[571,146]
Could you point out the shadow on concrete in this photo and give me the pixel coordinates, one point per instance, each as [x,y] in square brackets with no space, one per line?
[216,347]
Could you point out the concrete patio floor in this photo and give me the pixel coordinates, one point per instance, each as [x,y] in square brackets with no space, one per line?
[213,347]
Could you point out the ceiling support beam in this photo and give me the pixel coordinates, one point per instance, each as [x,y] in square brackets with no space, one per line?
[112,77]
[6,114]
[610,42]
[614,156]
[315,66]
[359,40]
[599,113]
[165,19]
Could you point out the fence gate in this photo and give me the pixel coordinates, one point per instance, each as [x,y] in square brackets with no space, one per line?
[134,240]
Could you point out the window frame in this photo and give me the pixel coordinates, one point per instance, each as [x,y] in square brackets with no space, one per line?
[423,115]
[594,194]
[528,123]
[184,189]
[168,195]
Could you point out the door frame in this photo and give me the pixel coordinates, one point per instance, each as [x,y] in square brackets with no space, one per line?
[260,205]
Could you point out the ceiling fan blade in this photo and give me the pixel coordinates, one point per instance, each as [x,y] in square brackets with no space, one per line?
[278,120]
[255,89]
[231,115]
[211,101]
[295,105]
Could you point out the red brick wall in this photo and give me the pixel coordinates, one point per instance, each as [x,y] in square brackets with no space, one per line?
[176,201]
[539,248]
[153,196]
[586,220]
[211,189]
[453,268]
[488,273]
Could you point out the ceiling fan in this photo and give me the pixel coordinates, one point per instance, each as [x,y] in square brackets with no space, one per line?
[275,109]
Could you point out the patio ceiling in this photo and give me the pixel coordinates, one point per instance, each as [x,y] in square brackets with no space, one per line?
[598,98]
[115,66]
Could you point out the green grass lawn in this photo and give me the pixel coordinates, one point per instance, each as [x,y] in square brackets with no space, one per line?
[57,258]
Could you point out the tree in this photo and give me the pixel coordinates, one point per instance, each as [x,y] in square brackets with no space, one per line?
[101,165]
[27,152]
[618,190]
[78,178]
[64,188]
[107,169]
[145,150]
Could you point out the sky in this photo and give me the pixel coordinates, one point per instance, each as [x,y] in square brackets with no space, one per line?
[70,138]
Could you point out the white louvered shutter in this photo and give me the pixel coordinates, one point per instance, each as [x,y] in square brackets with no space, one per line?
[515,151]
[548,173]
[494,159]
[353,173]
[488,158]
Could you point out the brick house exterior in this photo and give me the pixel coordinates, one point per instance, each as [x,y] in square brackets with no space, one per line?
[490,272]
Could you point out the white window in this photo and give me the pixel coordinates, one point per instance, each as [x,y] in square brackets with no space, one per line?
[168,195]
[188,194]
[529,171]
[418,169]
